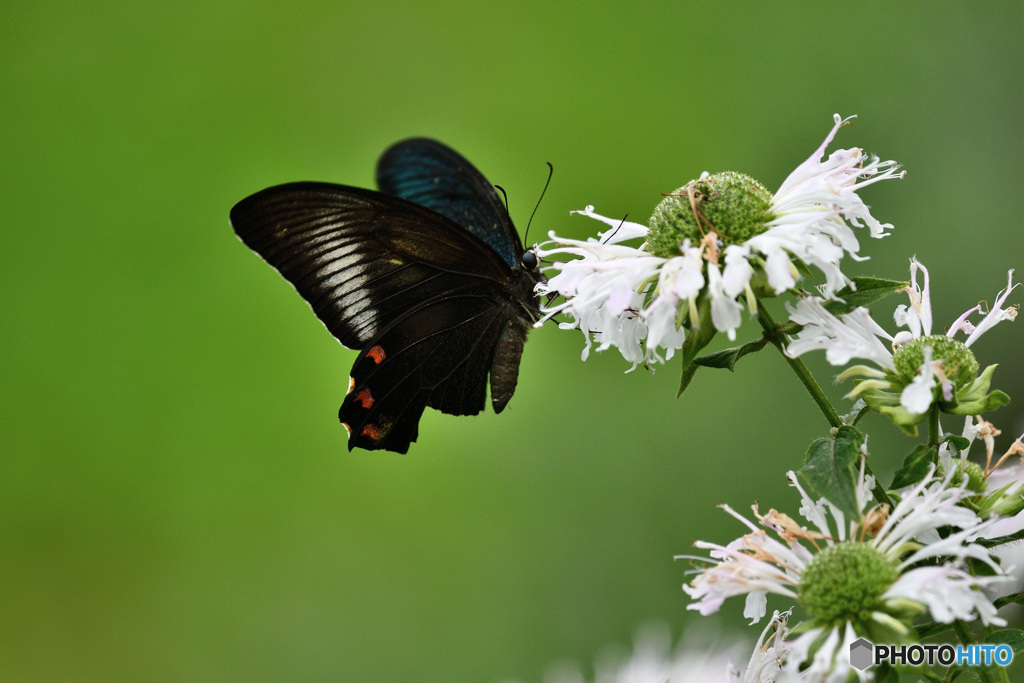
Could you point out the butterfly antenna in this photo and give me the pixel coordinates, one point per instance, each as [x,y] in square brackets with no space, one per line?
[551,172]
[605,240]
[502,191]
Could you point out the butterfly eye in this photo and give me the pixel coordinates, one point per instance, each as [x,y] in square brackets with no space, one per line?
[529,260]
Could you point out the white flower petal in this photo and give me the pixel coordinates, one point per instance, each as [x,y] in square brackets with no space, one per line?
[623,230]
[917,396]
[754,607]
[725,311]
[918,316]
[853,335]
[949,593]
[998,313]
[737,272]
[757,564]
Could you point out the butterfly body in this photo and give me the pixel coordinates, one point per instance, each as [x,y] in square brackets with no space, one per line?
[428,279]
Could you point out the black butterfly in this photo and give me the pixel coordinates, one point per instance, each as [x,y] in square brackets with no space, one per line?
[428,278]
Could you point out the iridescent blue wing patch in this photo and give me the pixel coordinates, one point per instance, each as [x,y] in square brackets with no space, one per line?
[434,175]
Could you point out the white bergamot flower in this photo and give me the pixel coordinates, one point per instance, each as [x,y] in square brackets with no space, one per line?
[696,658]
[709,246]
[917,369]
[855,577]
[1000,486]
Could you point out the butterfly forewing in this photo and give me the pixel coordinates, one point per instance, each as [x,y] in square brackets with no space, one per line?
[358,257]
[435,176]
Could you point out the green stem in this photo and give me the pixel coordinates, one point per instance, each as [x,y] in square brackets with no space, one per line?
[934,431]
[928,674]
[967,638]
[1000,540]
[1004,675]
[778,338]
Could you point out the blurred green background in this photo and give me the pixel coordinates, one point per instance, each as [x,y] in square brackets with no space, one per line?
[176,499]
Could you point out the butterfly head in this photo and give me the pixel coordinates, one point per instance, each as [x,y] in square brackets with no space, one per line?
[530,260]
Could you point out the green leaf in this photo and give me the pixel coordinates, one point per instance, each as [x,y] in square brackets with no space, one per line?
[727,359]
[982,405]
[830,470]
[932,628]
[915,466]
[789,328]
[961,443]
[974,398]
[686,377]
[857,412]
[1017,598]
[697,338]
[997,398]
[865,291]
[902,417]
[1013,637]
[978,568]
[886,674]
[888,403]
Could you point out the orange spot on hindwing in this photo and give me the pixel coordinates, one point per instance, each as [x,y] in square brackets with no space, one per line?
[376,354]
[364,398]
[372,432]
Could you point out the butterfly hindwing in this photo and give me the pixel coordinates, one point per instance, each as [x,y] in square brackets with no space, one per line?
[437,355]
